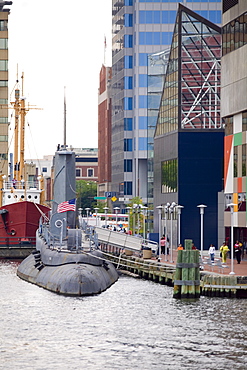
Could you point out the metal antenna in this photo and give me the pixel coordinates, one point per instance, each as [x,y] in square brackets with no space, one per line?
[64,143]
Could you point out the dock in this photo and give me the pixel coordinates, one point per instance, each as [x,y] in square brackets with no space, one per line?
[215,280]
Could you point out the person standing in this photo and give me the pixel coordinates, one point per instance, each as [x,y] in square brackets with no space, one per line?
[238,251]
[224,250]
[163,244]
[211,252]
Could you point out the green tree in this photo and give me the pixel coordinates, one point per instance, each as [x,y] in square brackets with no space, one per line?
[85,193]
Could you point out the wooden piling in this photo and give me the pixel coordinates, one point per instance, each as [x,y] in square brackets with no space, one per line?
[187,276]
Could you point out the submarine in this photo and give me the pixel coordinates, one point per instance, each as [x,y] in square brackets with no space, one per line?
[65,261]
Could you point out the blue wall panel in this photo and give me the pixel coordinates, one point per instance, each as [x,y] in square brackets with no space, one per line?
[200,178]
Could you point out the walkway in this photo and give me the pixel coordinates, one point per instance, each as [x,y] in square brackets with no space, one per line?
[239,269]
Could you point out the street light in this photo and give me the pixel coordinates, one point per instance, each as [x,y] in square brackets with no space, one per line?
[96,211]
[166,234]
[179,209]
[144,208]
[128,211]
[159,208]
[105,209]
[87,210]
[231,205]
[201,206]
[171,209]
[116,210]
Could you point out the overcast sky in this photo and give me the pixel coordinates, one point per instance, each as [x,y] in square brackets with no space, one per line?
[59,44]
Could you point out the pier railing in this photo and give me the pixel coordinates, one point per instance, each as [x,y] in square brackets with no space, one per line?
[125,241]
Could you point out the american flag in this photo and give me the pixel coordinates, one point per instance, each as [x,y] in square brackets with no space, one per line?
[69,205]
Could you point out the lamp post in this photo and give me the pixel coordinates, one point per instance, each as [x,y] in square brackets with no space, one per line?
[231,205]
[171,209]
[116,210]
[105,209]
[144,219]
[159,208]
[134,217]
[87,210]
[179,209]
[96,211]
[128,211]
[201,206]
[166,234]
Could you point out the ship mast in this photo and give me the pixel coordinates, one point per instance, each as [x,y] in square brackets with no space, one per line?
[22,133]
[16,132]
[19,136]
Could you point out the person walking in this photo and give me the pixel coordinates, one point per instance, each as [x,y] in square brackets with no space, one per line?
[224,250]
[163,244]
[211,252]
[238,251]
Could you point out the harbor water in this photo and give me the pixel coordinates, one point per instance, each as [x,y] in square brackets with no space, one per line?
[135,324]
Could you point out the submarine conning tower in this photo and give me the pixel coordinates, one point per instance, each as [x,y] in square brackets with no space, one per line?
[64,189]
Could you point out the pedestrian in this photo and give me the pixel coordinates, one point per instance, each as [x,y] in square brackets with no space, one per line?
[238,251]
[211,252]
[14,183]
[163,244]
[193,246]
[180,247]
[224,250]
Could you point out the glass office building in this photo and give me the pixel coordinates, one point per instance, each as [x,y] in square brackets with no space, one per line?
[189,135]
[140,28]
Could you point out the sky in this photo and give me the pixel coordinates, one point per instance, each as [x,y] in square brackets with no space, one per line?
[60,47]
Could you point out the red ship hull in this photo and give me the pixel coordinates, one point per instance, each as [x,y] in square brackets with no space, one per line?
[19,223]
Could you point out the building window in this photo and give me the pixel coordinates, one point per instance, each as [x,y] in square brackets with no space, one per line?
[143,80]
[244,160]
[244,121]
[228,121]
[169,176]
[128,61]
[143,123]
[44,169]
[143,59]
[128,20]
[128,188]
[3,156]
[128,82]
[4,44]
[128,41]
[128,103]
[142,101]
[78,172]
[235,162]
[3,119]
[3,83]
[3,138]
[234,34]
[142,143]
[3,65]
[90,172]
[128,145]
[128,165]
[3,25]
[128,124]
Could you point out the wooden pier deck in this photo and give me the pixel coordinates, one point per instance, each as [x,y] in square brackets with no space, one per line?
[215,281]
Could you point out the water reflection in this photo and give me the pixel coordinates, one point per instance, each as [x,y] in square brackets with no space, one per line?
[134,324]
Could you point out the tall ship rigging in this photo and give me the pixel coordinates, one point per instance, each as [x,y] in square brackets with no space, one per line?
[21,197]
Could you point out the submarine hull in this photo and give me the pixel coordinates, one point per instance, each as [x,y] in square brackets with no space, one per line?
[73,274]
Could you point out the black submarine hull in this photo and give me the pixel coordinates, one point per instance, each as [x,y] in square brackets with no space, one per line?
[66,272]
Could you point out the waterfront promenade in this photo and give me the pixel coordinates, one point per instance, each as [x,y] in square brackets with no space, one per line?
[239,269]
